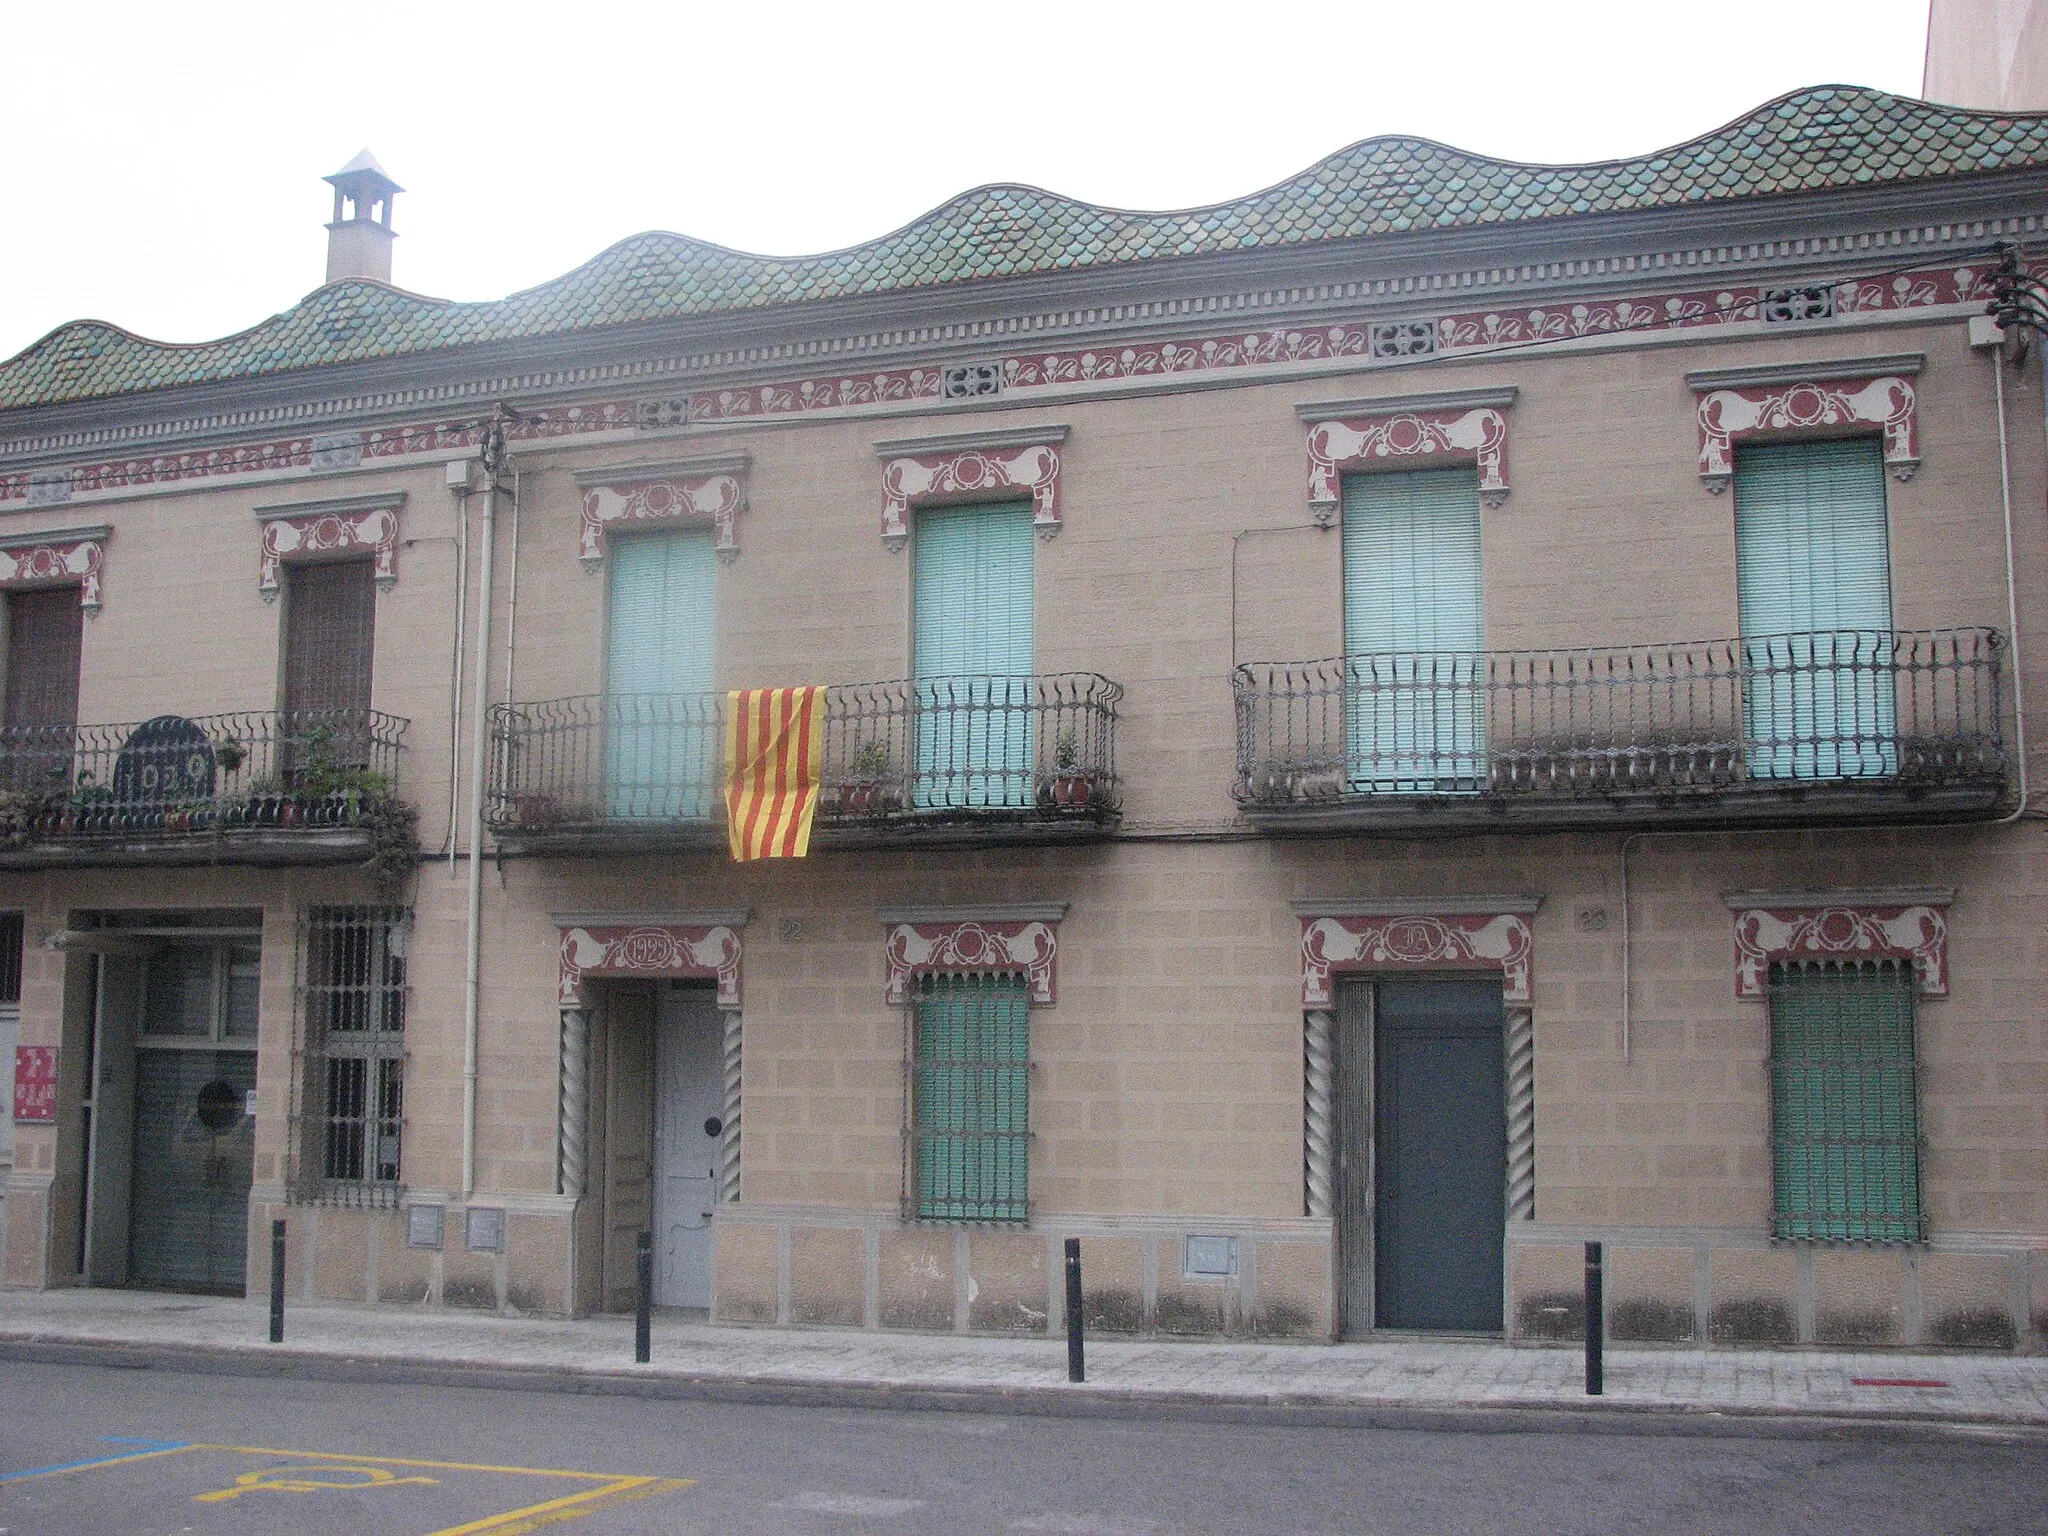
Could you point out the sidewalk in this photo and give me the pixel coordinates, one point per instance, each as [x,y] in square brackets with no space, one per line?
[1381,1380]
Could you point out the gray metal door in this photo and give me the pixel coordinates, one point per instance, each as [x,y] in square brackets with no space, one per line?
[188,1218]
[688,1065]
[1440,1154]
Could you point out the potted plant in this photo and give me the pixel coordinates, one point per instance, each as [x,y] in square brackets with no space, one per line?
[230,755]
[1072,785]
[864,793]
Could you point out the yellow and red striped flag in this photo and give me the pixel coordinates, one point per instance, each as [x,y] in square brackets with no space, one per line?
[774,758]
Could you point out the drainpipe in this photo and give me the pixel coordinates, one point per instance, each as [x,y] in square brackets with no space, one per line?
[493,456]
[458,486]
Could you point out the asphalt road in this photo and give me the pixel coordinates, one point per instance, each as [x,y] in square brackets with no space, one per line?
[176,1453]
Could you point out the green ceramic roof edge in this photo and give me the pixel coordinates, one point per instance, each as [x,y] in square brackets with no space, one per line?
[1818,139]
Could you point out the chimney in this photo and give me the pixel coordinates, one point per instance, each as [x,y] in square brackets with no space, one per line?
[359,239]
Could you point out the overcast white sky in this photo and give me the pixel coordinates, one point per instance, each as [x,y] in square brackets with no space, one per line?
[160,163]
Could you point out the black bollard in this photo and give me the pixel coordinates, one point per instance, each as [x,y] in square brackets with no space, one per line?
[1077,1366]
[1596,1322]
[643,1310]
[277,1282]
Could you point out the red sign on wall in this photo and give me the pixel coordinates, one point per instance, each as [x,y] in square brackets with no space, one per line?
[35,1083]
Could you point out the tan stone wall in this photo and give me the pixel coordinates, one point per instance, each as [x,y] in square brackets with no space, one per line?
[1168,1076]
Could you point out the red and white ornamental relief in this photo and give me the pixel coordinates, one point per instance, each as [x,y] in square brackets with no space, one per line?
[1411,942]
[323,533]
[1917,933]
[672,951]
[1464,331]
[715,498]
[1727,416]
[914,949]
[56,563]
[907,482]
[1478,436]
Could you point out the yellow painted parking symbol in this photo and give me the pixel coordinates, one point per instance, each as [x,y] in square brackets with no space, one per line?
[291,1480]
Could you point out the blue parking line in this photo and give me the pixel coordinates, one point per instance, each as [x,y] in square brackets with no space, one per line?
[139,1449]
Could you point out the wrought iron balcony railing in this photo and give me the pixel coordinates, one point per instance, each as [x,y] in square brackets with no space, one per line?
[1700,722]
[174,777]
[938,751]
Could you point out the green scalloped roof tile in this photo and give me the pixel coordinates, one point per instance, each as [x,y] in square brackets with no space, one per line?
[1818,138]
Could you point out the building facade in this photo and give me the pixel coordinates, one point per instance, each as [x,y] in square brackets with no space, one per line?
[1372,734]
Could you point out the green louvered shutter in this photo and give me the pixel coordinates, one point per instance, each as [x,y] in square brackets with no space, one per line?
[971,1098]
[1845,1110]
[1813,571]
[975,650]
[661,718]
[1413,631]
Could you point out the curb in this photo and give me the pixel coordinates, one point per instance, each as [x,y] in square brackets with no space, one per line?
[1507,1416]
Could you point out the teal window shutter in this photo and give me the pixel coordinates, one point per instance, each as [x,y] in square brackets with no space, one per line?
[1813,575]
[975,649]
[1845,1104]
[971,1094]
[1414,632]
[662,739]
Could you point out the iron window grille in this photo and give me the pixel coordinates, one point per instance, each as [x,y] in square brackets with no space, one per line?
[1845,1104]
[352,996]
[970,1094]
[654,415]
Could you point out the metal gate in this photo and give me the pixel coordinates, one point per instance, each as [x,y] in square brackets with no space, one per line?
[194,1137]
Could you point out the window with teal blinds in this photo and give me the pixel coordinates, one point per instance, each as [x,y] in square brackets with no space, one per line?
[1813,574]
[1845,1104]
[1413,631]
[974,653]
[662,741]
[970,1092]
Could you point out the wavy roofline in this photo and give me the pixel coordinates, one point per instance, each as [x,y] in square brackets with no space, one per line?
[769,280]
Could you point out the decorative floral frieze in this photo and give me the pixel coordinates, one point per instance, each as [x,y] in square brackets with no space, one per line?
[314,529]
[1461,331]
[1916,931]
[675,951]
[1366,437]
[1406,941]
[56,559]
[1027,944]
[710,491]
[1727,416]
[963,473]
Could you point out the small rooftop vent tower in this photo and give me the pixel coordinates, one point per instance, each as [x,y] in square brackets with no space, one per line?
[359,239]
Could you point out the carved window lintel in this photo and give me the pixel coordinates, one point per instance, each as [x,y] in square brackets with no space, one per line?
[924,942]
[1456,427]
[705,490]
[1903,925]
[1821,402]
[64,557]
[313,530]
[972,467]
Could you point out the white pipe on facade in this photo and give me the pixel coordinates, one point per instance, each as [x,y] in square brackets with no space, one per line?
[479,724]
[455,691]
[512,596]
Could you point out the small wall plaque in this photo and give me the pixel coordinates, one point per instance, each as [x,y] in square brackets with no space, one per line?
[1209,1258]
[35,1084]
[484,1230]
[423,1226]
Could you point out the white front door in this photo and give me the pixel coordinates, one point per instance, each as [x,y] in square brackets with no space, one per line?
[688,1054]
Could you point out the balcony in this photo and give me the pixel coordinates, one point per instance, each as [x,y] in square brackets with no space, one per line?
[262,787]
[925,762]
[1828,727]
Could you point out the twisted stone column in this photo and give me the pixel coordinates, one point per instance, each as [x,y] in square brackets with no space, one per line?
[1521,1084]
[1319,1160]
[729,1144]
[575,1109]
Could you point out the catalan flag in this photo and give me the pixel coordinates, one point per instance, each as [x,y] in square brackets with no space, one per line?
[774,757]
